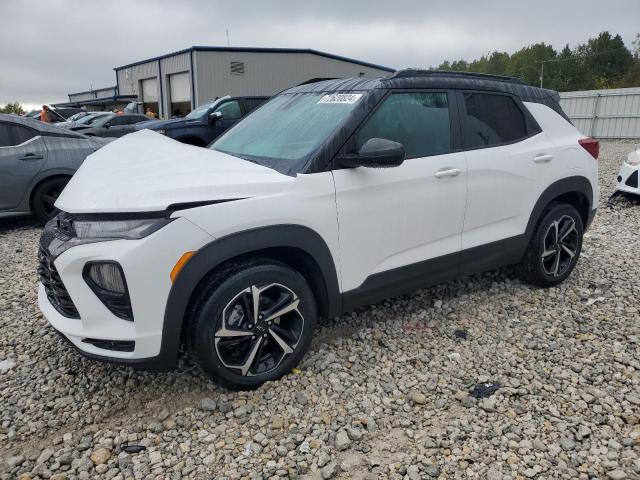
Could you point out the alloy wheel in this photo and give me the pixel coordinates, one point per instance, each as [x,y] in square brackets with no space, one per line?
[259,328]
[560,246]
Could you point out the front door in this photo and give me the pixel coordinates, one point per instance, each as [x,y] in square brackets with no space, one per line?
[400,228]
[22,155]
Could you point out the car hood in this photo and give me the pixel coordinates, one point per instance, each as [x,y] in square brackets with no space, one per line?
[146,171]
[158,124]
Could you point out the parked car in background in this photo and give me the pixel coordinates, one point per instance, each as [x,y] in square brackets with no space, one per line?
[56,115]
[84,120]
[207,122]
[330,196]
[36,162]
[110,124]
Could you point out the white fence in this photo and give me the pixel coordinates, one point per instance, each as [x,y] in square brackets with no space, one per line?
[613,113]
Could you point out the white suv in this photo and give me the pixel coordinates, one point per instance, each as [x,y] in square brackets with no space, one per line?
[235,250]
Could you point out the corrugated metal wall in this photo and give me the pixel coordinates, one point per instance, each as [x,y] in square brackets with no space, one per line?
[612,113]
[100,93]
[265,73]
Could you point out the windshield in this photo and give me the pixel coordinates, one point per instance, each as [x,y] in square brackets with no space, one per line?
[287,129]
[89,119]
[201,110]
[77,116]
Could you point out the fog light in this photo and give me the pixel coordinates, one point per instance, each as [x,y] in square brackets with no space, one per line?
[107,276]
[107,281]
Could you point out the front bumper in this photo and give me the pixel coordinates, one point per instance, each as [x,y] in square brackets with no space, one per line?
[146,264]
[628,180]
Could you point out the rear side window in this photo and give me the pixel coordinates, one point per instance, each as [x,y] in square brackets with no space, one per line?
[492,120]
[252,103]
[419,121]
[11,135]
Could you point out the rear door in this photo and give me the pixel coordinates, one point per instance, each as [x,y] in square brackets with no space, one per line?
[22,155]
[400,227]
[507,156]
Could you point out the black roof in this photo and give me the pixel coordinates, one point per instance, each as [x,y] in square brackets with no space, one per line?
[434,79]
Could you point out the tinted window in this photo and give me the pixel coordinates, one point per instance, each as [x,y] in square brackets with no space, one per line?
[118,120]
[492,120]
[252,103]
[11,135]
[419,121]
[230,110]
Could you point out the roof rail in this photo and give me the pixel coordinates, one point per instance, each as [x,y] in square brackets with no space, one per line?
[419,72]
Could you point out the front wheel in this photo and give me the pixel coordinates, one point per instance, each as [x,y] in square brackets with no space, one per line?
[44,198]
[252,323]
[555,247]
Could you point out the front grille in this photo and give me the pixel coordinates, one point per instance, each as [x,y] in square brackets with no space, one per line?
[53,286]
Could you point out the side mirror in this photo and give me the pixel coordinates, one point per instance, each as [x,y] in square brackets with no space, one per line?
[376,153]
[107,125]
[214,117]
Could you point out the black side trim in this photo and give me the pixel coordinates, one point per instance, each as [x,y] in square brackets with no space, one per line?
[632,181]
[493,255]
[402,280]
[223,249]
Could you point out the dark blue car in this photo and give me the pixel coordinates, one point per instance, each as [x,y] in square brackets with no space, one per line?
[207,122]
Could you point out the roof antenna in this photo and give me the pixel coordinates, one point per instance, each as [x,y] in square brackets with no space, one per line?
[227,30]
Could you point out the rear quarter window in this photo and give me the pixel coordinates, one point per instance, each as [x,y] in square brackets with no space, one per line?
[491,120]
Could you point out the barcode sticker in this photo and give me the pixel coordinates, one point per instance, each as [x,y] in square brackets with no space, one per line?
[340,98]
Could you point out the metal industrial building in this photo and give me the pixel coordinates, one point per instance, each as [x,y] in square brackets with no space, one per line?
[175,83]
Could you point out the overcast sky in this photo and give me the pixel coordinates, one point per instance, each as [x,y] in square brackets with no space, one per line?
[50,48]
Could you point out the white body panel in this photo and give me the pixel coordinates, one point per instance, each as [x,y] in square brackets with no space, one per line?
[626,170]
[398,216]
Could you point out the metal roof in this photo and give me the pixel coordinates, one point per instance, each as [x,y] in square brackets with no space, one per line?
[94,90]
[199,48]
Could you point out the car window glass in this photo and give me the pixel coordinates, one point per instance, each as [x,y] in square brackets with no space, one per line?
[492,120]
[11,135]
[419,121]
[230,110]
[115,121]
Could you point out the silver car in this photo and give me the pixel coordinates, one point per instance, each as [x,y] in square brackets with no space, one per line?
[36,162]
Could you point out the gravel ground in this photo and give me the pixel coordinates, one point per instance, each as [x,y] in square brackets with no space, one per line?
[385,392]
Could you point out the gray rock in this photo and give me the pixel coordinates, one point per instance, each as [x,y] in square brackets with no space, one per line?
[329,470]
[342,441]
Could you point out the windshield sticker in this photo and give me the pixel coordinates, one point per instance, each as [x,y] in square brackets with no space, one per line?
[340,98]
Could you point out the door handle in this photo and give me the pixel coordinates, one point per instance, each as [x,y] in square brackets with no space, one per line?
[542,158]
[447,172]
[31,156]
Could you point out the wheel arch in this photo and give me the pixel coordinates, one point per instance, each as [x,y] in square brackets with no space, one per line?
[299,247]
[576,191]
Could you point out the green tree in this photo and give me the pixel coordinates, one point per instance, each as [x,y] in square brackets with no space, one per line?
[607,59]
[526,63]
[14,108]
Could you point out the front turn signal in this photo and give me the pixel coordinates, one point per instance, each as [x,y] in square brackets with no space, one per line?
[177,268]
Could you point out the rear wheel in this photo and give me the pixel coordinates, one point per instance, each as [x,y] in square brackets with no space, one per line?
[44,197]
[252,323]
[555,247]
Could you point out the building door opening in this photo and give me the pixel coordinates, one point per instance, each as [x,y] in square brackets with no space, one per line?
[179,94]
[149,92]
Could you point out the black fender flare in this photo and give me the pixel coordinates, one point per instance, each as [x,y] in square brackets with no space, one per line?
[566,185]
[219,251]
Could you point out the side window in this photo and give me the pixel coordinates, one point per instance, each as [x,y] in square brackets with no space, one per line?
[230,110]
[118,120]
[492,120]
[419,121]
[12,135]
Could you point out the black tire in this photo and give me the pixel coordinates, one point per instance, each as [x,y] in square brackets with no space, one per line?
[44,197]
[547,262]
[230,290]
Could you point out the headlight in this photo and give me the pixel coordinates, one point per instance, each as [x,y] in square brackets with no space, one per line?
[113,229]
[80,232]
[633,159]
